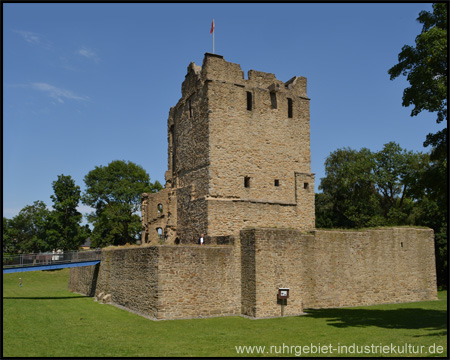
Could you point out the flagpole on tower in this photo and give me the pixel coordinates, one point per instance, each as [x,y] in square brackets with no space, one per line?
[212,32]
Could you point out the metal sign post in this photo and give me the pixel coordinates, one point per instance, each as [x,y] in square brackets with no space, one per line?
[283,295]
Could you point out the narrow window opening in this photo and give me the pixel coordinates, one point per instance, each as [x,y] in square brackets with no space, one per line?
[160,208]
[160,234]
[289,107]
[305,186]
[246,182]
[277,182]
[190,108]
[273,99]
[401,244]
[249,100]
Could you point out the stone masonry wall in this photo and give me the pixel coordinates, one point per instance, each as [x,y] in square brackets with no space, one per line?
[83,280]
[336,268]
[166,282]
[321,269]
[272,261]
[128,274]
[372,267]
[192,216]
[263,144]
[198,281]
[189,129]
[155,212]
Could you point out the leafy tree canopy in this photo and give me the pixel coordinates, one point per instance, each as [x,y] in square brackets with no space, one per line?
[115,192]
[65,231]
[29,228]
[8,238]
[362,188]
[386,188]
[426,66]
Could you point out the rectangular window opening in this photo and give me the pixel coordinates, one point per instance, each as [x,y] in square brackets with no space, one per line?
[190,108]
[289,107]
[249,100]
[305,186]
[273,99]
[277,182]
[246,182]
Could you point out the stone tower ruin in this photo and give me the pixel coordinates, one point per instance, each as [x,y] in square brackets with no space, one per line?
[238,157]
[239,172]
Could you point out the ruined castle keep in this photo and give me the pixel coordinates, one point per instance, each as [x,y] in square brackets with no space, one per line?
[239,156]
[239,172]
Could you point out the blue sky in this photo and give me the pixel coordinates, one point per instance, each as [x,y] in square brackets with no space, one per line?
[85,84]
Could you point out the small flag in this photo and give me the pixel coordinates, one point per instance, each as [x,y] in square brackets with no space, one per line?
[212,27]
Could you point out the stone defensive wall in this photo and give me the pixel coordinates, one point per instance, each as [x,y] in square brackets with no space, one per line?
[242,275]
[166,281]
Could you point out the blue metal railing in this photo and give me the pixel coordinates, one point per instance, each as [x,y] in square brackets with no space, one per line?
[50,258]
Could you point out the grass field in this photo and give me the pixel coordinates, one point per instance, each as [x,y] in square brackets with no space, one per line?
[43,319]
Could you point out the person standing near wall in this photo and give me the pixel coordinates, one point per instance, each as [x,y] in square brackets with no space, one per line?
[201,239]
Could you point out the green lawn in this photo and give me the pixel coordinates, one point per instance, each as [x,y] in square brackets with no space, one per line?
[44,319]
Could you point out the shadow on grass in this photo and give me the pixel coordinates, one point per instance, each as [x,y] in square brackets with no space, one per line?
[43,297]
[439,333]
[415,318]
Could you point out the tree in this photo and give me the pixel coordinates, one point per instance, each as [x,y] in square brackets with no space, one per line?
[363,189]
[395,175]
[115,192]
[29,227]
[425,66]
[65,231]
[387,188]
[349,197]
[8,238]
[427,213]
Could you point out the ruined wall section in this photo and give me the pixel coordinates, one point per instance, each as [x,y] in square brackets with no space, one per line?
[214,67]
[353,268]
[191,156]
[190,137]
[198,281]
[155,209]
[322,269]
[83,280]
[187,175]
[166,282]
[335,268]
[129,275]
[271,262]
